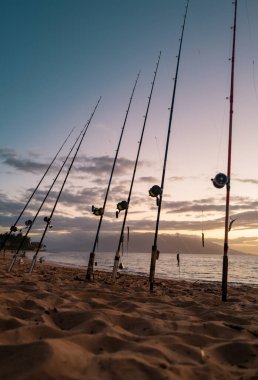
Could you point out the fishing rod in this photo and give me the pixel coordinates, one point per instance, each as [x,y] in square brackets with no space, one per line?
[157,191]
[30,223]
[100,211]
[13,228]
[48,219]
[221,179]
[124,205]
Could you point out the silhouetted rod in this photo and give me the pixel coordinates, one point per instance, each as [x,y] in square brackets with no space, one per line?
[117,255]
[89,273]
[48,219]
[154,251]
[42,203]
[225,255]
[13,227]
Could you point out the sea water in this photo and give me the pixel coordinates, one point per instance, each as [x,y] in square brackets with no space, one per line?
[243,268]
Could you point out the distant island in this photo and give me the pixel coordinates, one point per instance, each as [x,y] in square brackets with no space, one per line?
[138,242]
[14,241]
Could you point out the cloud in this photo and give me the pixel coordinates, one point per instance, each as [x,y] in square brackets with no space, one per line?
[9,207]
[10,158]
[7,152]
[208,205]
[84,227]
[98,169]
[152,180]
[99,166]
[246,220]
[33,154]
[247,180]
[246,240]
[179,178]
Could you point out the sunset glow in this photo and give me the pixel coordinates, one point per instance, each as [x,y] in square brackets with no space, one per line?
[55,67]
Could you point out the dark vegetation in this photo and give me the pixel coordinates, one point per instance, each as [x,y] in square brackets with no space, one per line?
[14,242]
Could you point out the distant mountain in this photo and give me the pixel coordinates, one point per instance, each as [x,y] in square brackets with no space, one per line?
[173,244]
[138,242]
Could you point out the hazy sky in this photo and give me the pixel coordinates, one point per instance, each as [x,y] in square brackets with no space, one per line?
[58,57]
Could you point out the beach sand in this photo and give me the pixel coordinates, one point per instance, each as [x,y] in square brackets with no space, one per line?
[53,325]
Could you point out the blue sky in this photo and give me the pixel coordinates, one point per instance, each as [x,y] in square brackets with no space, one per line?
[58,57]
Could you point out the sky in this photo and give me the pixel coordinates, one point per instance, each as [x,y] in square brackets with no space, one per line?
[58,57]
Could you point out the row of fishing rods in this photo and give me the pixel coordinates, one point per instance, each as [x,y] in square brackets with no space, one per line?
[122,206]
[156,191]
[96,211]
[47,220]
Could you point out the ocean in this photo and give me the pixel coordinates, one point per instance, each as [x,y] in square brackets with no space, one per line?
[243,268]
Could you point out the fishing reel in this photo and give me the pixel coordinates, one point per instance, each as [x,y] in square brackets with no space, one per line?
[220,180]
[121,206]
[155,192]
[28,223]
[48,220]
[13,229]
[97,211]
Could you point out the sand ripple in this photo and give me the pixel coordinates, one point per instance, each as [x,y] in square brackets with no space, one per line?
[53,325]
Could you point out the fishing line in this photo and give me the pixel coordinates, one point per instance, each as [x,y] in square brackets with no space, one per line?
[220,135]
[178,255]
[158,150]
[14,228]
[184,244]
[48,219]
[124,205]
[248,21]
[121,266]
[100,211]
[251,43]
[202,231]
[254,84]
[221,130]
[127,240]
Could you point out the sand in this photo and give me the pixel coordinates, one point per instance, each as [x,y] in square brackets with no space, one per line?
[53,325]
